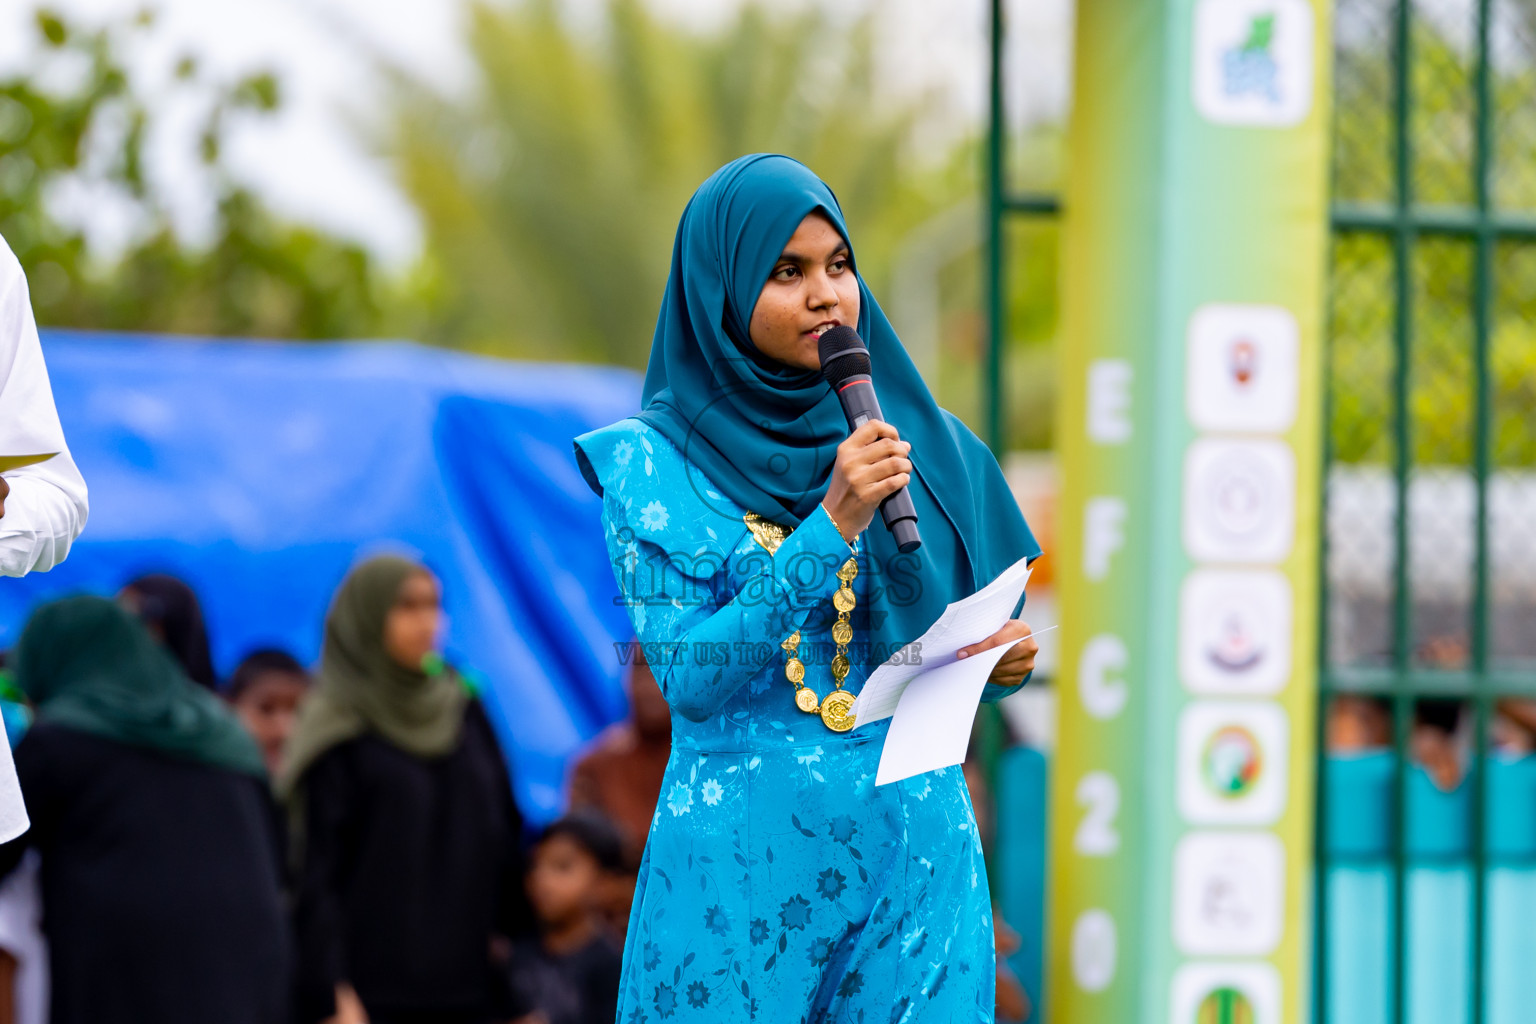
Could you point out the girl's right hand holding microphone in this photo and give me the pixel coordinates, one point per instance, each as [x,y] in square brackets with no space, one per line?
[872,464]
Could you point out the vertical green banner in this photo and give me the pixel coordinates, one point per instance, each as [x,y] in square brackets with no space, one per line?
[1190,441]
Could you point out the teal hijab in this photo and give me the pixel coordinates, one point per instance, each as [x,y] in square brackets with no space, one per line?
[766,434]
[88,664]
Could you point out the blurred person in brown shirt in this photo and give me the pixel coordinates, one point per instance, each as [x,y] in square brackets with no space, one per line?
[620,775]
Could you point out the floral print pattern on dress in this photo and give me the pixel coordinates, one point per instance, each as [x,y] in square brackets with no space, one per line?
[654,516]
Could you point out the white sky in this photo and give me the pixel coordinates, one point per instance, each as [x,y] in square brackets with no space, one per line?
[309,163]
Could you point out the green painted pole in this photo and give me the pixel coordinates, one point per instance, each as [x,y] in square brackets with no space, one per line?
[1482,295]
[1325,695]
[992,364]
[1402,641]
[992,730]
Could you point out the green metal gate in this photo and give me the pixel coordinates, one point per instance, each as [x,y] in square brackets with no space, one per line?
[1428,603]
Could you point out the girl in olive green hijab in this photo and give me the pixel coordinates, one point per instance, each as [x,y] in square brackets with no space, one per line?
[406,837]
[363,687]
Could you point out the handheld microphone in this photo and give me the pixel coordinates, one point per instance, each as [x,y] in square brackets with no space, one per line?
[845,365]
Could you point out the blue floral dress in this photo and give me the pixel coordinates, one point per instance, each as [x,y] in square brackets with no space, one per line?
[778,883]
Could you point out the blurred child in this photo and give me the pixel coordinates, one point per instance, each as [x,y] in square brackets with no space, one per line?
[1358,723]
[266,691]
[1362,724]
[570,974]
[1438,741]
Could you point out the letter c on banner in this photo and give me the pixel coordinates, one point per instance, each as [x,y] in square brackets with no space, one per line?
[1103,697]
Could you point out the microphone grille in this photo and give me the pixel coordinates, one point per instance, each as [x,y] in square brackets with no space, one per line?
[843,355]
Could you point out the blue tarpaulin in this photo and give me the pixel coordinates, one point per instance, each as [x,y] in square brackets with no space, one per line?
[260,471]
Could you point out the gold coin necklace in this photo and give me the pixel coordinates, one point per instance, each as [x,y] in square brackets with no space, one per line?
[835,707]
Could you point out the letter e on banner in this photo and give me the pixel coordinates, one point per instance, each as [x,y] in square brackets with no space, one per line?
[1109,401]
[1103,697]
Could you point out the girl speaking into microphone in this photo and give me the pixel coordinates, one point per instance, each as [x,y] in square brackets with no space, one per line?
[779,883]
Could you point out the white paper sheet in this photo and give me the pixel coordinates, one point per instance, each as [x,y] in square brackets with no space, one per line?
[932,724]
[962,623]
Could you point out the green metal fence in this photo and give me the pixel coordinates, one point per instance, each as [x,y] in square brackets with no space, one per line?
[1428,603]
[1002,202]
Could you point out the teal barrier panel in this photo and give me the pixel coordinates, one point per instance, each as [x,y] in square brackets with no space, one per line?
[1511,945]
[1438,894]
[1359,920]
[1019,861]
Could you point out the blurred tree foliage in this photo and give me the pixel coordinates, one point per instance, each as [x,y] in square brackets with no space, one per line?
[550,200]
[255,276]
[1442,373]
[549,196]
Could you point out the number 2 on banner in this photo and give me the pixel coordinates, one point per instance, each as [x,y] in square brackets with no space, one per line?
[1096,836]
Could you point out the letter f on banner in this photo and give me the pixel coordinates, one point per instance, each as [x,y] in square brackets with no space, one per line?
[1103,535]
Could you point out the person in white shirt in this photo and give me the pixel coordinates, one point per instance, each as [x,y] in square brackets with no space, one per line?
[42,507]
[42,510]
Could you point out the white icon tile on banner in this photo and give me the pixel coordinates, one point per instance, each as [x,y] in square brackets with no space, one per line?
[1235,631]
[1233,763]
[1239,501]
[1206,993]
[1253,62]
[1241,368]
[1228,893]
